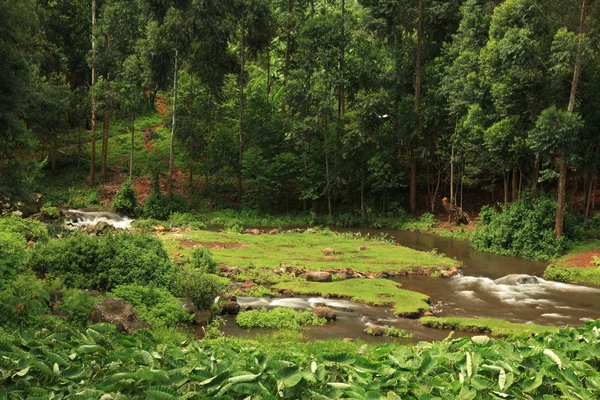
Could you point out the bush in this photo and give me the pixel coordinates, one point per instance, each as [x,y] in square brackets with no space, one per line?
[524,228]
[160,207]
[104,262]
[25,302]
[50,211]
[234,225]
[28,228]
[13,249]
[202,260]
[278,318]
[75,305]
[125,201]
[154,305]
[188,220]
[201,288]
[145,224]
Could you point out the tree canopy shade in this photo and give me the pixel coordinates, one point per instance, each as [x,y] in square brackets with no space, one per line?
[348,107]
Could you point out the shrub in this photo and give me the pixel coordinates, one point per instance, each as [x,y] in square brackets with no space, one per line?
[524,228]
[188,220]
[104,262]
[125,201]
[28,228]
[202,260]
[13,249]
[160,207]
[201,288]
[145,224]
[75,305]
[278,318]
[154,305]
[234,225]
[50,211]
[25,302]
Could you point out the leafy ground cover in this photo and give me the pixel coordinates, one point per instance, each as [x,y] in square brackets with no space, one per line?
[377,292]
[580,265]
[278,318]
[101,362]
[493,326]
[304,250]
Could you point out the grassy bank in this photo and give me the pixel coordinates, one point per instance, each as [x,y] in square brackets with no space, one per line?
[377,292]
[304,250]
[579,265]
[493,326]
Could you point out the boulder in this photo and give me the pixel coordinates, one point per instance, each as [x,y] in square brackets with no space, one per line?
[246,286]
[255,232]
[227,297]
[363,248]
[324,312]
[428,314]
[273,231]
[117,312]
[231,308]
[376,330]
[318,276]
[188,305]
[203,317]
[529,280]
[328,252]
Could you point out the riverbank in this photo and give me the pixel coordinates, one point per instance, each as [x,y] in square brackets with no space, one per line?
[579,265]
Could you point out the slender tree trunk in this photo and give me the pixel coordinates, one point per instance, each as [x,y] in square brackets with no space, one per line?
[536,173]
[520,183]
[173,127]
[241,118]
[562,180]
[413,158]
[93,99]
[362,197]
[132,127]
[588,196]
[452,175]
[505,189]
[515,184]
[288,51]
[191,100]
[105,128]
[341,103]
[78,146]
[594,195]
[327,170]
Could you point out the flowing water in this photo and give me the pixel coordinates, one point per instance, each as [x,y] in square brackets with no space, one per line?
[81,218]
[492,286]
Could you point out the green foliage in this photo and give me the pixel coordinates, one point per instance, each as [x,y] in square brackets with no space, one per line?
[28,228]
[596,261]
[494,326]
[75,305]
[525,228]
[257,291]
[25,302]
[96,361]
[390,331]
[278,318]
[569,274]
[187,220]
[50,211]
[13,249]
[160,207]
[104,262]
[125,201]
[234,225]
[202,260]
[201,288]
[154,305]
[146,224]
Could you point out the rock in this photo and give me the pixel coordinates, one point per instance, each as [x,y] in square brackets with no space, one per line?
[203,317]
[273,231]
[117,312]
[428,314]
[376,330]
[324,312]
[228,297]
[188,305]
[328,252]
[318,276]
[247,231]
[231,308]
[530,280]
[246,286]
[363,248]
[255,232]
[99,228]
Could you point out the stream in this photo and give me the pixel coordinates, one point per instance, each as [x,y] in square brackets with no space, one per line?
[494,286]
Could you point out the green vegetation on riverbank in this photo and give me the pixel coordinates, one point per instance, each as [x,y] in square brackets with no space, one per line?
[493,326]
[377,292]
[579,265]
[305,250]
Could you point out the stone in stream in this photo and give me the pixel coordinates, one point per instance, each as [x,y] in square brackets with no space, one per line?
[428,314]
[228,297]
[376,330]
[246,286]
[117,312]
[324,312]
[530,280]
[318,276]
[231,308]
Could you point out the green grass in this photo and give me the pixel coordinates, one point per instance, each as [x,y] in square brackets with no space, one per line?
[305,250]
[278,318]
[493,326]
[564,271]
[377,292]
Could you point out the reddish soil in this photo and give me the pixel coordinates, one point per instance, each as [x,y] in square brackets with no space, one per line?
[583,260]
[212,245]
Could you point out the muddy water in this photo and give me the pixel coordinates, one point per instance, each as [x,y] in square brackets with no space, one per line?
[492,286]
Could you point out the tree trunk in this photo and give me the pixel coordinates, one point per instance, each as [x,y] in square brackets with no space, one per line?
[505,189]
[413,158]
[515,184]
[452,175]
[288,51]
[362,197]
[241,118]
[341,105]
[132,127]
[93,99]
[105,128]
[562,180]
[536,173]
[588,196]
[173,126]
[520,183]
[327,170]
[78,146]
[594,195]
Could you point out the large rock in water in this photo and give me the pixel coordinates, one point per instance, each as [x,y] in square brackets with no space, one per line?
[117,312]
[318,276]
[324,312]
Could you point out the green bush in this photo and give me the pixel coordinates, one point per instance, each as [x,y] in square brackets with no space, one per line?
[146,224]
[278,318]
[154,305]
[524,228]
[202,260]
[75,305]
[187,220]
[105,262]
[13,248]
[50,211]
[125,201]
[24,303]
[201,288]
[234,225]
[160,207]
[28,228]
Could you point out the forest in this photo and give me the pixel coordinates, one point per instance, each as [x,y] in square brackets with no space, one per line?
[303,199]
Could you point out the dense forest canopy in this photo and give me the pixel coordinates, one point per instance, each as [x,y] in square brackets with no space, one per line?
[361,105]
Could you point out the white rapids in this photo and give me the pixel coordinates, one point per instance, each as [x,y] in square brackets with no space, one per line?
[78,219]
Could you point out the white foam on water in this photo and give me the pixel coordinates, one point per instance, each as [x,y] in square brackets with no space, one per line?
[555,315]
[89,218]
[335,303]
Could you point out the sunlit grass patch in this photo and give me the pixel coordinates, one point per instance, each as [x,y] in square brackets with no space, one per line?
[493,326]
